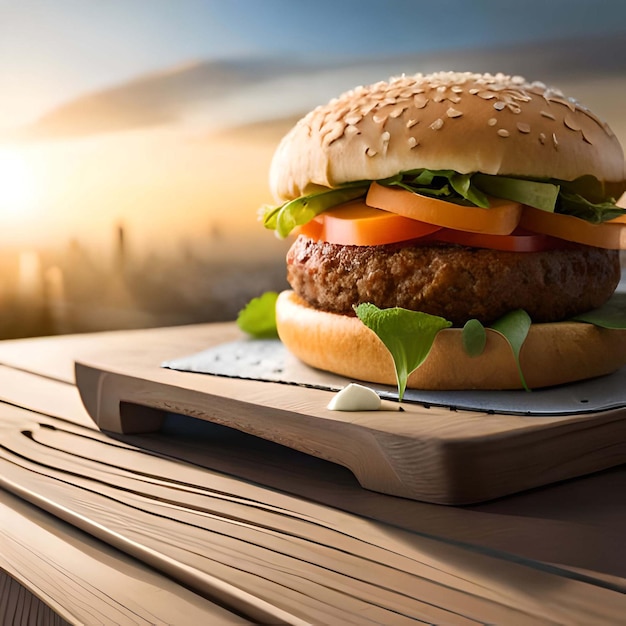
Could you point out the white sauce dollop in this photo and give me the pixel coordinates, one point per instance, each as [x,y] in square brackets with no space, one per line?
[355,397]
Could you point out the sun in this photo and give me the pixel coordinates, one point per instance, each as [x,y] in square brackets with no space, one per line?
[17,186]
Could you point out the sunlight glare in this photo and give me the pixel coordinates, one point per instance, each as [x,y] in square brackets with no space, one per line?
[17,186]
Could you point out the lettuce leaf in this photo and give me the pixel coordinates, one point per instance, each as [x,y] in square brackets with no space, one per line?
[285,218]
[443,184]
[258,317]
[540,195]
[474,338]
[612,315]
[591,188]
[594,212]
[408,335]
[514,327]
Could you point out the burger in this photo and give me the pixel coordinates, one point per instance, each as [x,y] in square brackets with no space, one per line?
[452,231]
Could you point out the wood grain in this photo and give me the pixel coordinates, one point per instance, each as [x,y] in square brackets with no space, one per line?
[274,557]
[430,454]
[61,575]
[20,607]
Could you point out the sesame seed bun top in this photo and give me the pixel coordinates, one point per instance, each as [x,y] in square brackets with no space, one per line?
[494,124]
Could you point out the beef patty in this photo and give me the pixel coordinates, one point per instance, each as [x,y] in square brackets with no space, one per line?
[454,282]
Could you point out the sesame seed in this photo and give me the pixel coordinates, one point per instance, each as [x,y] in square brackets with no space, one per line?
[542,138]
[571,123]
[412,142]
[555,141]
[503,132]
[419,101]
[397,112]
[546,114]
[411,123]
[453,113]
[498,106]
[523,127]
[561,99]
[437,124]
[492,121]
[385,137]
[332,132]
[353,118]
[371,152]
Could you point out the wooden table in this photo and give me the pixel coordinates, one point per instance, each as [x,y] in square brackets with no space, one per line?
[200,524]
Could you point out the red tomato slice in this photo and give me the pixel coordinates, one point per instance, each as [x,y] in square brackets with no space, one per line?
[356,224]
[519,240]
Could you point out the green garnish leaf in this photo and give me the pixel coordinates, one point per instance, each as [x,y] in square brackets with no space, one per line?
[612,315]
[594,212]
[474,338]
[444,184]
[514,327]
[591,188]
[463,184]
[258,317]
[285,218]
[540,195]
[408,335]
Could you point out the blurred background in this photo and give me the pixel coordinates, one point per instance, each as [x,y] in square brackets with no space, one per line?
[136,136]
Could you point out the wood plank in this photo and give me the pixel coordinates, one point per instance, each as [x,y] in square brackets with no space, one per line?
[56,574]
[430,454]
[53,357]
[271,554]
[43,395]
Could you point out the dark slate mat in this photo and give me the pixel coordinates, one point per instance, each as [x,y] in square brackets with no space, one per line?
[268,360]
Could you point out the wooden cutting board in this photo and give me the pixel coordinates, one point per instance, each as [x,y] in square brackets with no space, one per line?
[424,452]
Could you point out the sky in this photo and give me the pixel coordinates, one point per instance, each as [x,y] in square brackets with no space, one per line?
[54,50]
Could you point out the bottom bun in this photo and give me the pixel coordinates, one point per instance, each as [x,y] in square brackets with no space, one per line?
[553,354]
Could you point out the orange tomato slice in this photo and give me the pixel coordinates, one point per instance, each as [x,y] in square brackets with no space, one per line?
[607,235]
[500,219]
[356,224]
[518,241]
